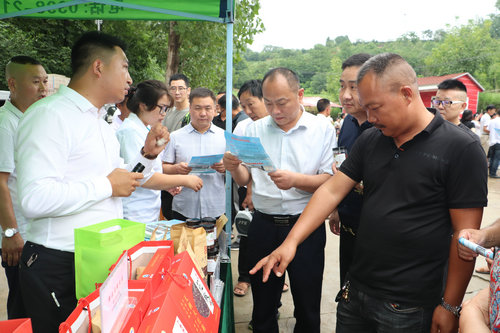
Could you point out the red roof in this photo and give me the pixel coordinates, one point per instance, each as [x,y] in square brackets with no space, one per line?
[435,80]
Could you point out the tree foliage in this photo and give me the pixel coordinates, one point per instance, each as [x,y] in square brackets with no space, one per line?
[202,50]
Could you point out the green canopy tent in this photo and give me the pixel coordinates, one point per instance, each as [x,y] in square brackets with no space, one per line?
[220,11]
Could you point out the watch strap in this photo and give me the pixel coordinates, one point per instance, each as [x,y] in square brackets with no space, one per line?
[455,310]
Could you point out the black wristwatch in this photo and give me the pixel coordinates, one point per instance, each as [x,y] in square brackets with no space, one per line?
[453,309]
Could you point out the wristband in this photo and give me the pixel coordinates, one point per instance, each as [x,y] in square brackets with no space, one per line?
[453,309]
[149,157]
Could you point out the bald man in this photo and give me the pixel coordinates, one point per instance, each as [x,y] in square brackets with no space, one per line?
[415,191]
[27,81]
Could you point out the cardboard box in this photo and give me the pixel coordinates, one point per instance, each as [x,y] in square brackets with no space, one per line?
[183,302]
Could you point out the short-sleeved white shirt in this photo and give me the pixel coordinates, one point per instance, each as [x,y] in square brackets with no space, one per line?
[9,120]
[306,149]
[144,204]
[185,143]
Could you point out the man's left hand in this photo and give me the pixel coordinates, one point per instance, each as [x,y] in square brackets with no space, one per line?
[283,179]
[157,132]
[443,321]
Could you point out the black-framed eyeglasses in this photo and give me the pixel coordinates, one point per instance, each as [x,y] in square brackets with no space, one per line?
[445,103]
[174,89]
[163,109]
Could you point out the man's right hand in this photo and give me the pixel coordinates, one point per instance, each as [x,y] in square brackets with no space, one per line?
[231,162]
[12,248]
[182,168]
[473,235]
[277,261]
[123,182]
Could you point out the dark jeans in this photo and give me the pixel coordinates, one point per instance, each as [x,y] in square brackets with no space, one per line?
[15,306]
[495,159]
[364,313]
[48,286]
[305,274]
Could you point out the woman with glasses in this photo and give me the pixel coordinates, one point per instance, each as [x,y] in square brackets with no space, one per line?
[148,104]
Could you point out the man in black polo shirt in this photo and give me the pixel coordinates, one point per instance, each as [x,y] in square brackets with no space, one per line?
[415,190]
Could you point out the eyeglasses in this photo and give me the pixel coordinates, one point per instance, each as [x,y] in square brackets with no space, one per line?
[174,89]
[445,103]
[163,109]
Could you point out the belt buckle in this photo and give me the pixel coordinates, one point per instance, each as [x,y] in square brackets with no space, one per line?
[281,221]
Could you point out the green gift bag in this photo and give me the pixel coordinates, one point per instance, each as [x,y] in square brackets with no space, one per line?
[98,246]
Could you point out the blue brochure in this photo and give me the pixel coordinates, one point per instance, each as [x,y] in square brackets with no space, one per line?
[250,151]
[201,164]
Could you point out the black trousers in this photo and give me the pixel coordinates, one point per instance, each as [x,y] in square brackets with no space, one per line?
[243,267]
[346,244]
[305,274]
[15,306]
[47,278]
[166,204]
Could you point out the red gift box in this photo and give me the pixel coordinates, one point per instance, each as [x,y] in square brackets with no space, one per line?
[142,254]
[80,320]
[22,325]
[182,302]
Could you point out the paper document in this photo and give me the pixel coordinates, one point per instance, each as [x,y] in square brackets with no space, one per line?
[201,164]
[250,151]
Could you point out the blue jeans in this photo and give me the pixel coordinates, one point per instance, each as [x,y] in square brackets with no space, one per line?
[364,313]
[495,159]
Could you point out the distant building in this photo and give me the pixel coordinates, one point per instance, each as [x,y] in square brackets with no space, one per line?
[428,88]
[55,80]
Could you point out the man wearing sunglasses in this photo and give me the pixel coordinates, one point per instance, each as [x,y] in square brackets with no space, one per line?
[451,101]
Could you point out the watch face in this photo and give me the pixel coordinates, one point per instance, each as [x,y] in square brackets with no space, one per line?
[9,233]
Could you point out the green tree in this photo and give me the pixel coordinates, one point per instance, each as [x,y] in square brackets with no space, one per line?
[468,48]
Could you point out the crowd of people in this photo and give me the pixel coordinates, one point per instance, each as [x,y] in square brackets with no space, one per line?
[399,201]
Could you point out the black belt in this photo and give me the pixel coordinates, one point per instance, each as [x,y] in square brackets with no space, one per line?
[280,220]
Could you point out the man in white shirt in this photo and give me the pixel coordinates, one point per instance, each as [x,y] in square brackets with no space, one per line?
[198,138]
[27,81]
[324,108]
[494,142]
[300,146]
[485,122]
[70,173]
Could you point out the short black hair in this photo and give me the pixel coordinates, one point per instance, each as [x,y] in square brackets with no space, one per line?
[179,76]
[489,107]
[222,102]
[466,116]
[291,77]
[356,60]
[322,104]
[201,92]
[24,60]
[147,92]
[90,44]
[254,87]
[452,84]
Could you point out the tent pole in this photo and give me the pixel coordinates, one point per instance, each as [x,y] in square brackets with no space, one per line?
[229,116]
